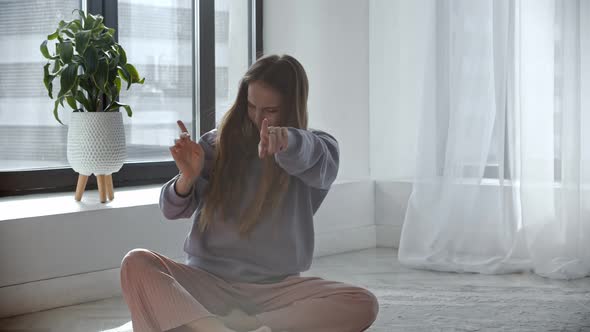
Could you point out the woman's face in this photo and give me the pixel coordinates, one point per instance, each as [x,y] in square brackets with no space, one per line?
[264,102]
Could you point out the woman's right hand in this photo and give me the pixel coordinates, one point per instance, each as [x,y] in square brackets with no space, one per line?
[188,156]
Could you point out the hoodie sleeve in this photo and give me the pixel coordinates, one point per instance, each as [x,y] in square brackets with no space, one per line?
[312,156]
[175,206]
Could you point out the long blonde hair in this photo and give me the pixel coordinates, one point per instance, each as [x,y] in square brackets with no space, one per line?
[237,143]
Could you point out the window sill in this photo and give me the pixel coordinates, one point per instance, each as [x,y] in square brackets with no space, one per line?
[38,205]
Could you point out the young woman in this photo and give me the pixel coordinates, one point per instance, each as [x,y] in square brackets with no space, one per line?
[252,187]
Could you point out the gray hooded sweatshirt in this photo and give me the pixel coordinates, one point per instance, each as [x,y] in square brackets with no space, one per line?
[281,244]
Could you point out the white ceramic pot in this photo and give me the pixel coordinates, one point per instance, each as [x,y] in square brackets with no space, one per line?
[96,142]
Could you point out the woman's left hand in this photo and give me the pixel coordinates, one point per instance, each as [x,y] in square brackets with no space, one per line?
[272,140]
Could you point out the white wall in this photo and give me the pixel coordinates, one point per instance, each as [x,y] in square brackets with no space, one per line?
[397,49]
[330,38]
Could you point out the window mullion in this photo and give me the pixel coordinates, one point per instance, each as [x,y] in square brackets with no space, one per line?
[206,67]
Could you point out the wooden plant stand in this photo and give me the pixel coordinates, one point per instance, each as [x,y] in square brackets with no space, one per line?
[105,187]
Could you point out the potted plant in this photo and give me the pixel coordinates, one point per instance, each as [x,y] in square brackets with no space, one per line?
[91,67]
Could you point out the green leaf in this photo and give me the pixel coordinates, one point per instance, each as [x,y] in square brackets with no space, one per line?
[122,55]
[106,53]
[101,75]
[89,22]
[118,84]
[81,13]
[112,85]
[47,80]
[82,100]
[82,40]
[75,26]
[56,67]
[58,71]
[114,62]
[91,59]
[56,105]
[68,79]
[107,40]
[125,75]
[66,51]
[69,34]
[78,59]
[53,35]
[97,22]
[112,76]
[128,109]
[98,28]
[45,51]
[74,88]
[133,72]
[108,89]
[85,82]
[115,106]
[71,101]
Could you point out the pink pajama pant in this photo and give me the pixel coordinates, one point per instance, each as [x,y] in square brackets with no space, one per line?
[163,294]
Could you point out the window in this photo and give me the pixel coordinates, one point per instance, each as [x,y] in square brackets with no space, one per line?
[29,136]
[180,46]
[157,36]
[231,51]
[457,62]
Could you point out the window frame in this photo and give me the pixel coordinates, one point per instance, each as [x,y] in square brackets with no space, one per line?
[23,182]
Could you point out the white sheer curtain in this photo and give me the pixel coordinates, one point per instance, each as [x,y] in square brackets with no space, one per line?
[503,176]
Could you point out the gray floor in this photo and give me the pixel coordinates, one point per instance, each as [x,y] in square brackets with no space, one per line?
[410,300]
